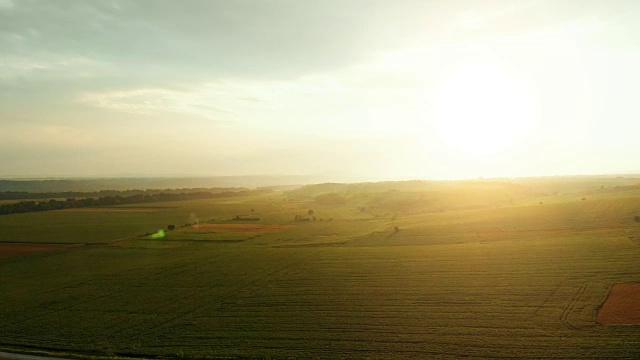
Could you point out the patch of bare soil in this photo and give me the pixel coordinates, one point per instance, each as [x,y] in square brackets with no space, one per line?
[257,228]
[622,305]
[8,250]
[109,210]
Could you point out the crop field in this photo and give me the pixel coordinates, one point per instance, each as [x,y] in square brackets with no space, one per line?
[442,270]
[73,227]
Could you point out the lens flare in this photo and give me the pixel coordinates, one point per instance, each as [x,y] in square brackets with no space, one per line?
[158,235]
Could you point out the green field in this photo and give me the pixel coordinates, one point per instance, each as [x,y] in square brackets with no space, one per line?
[475,269]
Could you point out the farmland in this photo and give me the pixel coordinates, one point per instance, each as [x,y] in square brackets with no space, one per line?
[386,270]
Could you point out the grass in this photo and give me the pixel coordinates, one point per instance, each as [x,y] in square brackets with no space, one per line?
[521,280]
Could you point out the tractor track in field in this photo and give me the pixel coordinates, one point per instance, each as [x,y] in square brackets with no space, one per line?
[545,302]
[54,311]
[150,278]
[153,277]
[564,317]
[263,278]
[634,239]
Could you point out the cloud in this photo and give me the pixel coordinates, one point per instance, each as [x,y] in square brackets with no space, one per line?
[150,101]
[221,38]
[11,67]
[48,65]
[356,101]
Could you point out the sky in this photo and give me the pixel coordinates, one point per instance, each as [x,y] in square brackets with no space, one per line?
[364,90]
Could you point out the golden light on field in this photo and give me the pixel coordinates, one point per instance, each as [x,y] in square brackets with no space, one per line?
[482,109]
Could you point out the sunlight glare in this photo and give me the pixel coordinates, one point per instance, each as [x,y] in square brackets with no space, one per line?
[482,109]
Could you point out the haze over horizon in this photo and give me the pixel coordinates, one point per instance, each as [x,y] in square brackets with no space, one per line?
[358,89]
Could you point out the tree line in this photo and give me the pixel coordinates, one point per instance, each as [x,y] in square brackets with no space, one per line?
[72,203]
[17,195]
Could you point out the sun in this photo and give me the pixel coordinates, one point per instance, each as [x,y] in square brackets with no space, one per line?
[481,109]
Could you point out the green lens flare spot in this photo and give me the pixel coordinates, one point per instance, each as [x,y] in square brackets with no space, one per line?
[158,235]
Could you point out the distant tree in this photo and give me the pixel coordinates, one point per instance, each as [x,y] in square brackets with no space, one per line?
[636,218]
[310,212]
[171,227]
[102,199]
[584,198]
[396,229]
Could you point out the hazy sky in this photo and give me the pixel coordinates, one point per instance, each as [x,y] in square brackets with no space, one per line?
[369,89]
